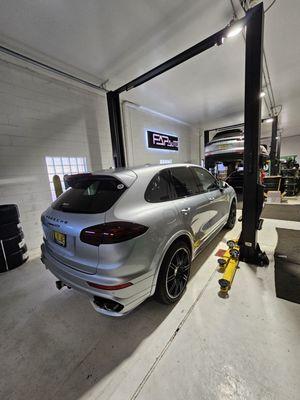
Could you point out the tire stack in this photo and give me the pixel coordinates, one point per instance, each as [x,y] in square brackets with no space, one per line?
[290,186]
[13,249]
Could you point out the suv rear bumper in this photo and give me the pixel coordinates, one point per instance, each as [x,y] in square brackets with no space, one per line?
[129,297]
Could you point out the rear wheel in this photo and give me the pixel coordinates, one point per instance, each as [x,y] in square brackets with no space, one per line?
[174,273]
[232,216]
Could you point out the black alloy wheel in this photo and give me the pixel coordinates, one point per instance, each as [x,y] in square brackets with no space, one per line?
[174,273]
[178,273]
[232,216]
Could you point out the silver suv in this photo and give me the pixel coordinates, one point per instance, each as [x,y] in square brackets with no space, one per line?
[123,235]
[227,146]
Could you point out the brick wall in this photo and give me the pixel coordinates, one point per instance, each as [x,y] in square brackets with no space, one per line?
[41,116]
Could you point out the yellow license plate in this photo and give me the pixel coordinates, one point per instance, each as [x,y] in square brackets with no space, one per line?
[60,238]
[223,146]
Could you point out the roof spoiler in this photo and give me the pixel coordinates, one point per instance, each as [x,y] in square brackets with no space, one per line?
[71,179]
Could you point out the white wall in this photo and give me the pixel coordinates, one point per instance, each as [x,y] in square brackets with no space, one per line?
[41,116]
[136,123]
[290,145]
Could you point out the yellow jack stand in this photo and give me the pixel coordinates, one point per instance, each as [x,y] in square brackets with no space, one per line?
[228,265]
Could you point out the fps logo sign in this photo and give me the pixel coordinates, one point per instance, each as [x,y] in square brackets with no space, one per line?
[162,141]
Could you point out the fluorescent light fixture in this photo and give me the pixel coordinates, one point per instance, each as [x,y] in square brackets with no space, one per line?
[234,30]
[165,161]
[269,120]
[262,94]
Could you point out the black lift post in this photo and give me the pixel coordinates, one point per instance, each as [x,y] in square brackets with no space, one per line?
[273,151]
[206,141]
[253,190]
[278,146]
[115,122]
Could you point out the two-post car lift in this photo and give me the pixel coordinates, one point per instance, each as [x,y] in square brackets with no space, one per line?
[253,191]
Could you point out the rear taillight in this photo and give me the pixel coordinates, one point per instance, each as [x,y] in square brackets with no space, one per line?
[111,232]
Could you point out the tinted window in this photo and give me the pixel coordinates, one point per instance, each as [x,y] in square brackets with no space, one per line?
[228,134]
[205,181]
[183,182]
[90,196]
[158,189]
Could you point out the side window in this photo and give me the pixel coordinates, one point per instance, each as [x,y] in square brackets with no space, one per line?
[183,182]
[205,181]
[158,189]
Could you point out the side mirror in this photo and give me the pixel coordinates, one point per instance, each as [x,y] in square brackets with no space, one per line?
[222,185]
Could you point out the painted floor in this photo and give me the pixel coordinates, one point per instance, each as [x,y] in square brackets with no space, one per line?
[54,346]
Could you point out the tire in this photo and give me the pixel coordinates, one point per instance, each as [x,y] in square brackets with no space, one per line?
[12,245]
[9,213]
[232,216]
[10,230]
[175,267]
[14,260]
[2,262]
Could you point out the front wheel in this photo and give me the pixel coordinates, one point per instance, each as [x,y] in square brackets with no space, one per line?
[174,273]
[232,216]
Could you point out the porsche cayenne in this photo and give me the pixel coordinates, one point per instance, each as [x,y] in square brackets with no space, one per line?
[123,235]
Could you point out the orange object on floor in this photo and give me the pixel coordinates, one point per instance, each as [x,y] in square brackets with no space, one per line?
[220,253]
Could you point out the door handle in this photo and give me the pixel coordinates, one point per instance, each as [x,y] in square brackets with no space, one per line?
[185,211]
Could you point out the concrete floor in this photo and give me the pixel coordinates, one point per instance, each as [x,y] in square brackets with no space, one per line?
[54,346]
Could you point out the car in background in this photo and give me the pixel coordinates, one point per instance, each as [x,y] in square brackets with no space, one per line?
[228,146]
[236,180]
[123,235]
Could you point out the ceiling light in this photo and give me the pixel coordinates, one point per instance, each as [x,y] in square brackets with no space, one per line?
[262,94]
[269,120]
[234,30]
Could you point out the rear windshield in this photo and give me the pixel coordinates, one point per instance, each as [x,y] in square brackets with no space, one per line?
[228,134]
[90,196]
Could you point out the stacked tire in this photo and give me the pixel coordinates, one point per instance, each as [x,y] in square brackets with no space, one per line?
[13,249]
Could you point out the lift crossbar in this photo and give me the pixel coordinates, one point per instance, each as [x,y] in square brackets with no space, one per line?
[254,20]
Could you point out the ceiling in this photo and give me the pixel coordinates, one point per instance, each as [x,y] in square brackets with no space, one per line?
[120,39]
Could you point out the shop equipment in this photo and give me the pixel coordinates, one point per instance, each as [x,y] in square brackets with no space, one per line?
[228,264]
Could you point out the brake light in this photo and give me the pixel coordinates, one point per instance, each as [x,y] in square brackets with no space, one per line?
[111,232]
